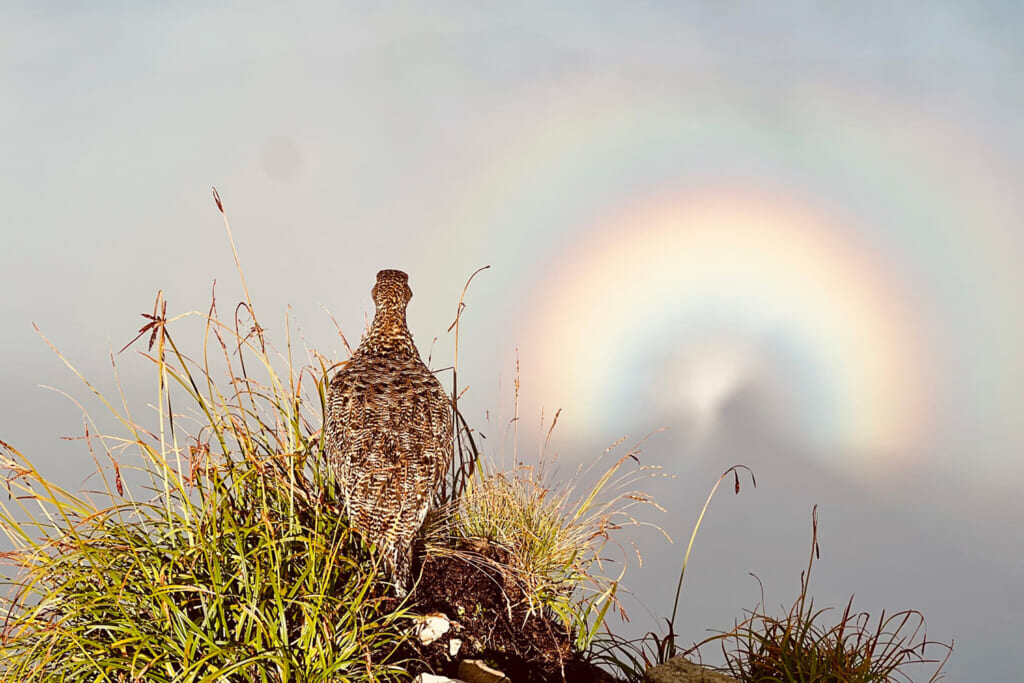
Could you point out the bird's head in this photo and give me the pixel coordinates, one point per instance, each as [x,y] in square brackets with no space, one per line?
[392,292]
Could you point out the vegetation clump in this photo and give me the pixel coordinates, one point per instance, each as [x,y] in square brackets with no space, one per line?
[207,554]
[518,561]
[802,646]
[799,647]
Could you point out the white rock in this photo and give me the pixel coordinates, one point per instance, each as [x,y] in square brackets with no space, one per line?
[431,627]
[454,645]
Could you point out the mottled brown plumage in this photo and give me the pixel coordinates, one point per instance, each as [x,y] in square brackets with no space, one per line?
[388,433]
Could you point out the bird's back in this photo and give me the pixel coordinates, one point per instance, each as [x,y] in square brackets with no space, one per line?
[388,433]
[391,434]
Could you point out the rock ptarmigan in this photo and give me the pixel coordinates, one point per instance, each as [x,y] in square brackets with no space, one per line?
[388,431]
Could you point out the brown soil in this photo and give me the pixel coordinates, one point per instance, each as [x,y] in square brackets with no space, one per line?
[491,617]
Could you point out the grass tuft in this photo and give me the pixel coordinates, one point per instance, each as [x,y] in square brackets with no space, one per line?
[551,536]
[226,562]
[212,549]
[803,646]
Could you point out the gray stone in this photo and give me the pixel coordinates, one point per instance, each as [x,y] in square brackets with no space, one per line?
[681,670]
[475,671]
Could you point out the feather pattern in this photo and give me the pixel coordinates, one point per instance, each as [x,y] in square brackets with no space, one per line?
[388,431]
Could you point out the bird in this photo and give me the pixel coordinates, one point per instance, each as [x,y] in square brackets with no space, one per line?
[388,432]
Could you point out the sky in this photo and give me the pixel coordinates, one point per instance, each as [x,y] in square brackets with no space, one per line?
[786,233]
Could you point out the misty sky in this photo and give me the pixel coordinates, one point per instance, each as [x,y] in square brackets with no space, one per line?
[789,233]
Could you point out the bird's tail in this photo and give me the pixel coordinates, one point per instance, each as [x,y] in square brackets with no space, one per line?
[401,569]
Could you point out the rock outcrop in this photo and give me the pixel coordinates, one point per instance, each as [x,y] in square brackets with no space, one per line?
[681,670]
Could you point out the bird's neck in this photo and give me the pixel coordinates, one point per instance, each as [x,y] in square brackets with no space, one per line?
[389,335]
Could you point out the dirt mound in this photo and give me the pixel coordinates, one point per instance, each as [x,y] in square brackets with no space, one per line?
[492,618]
